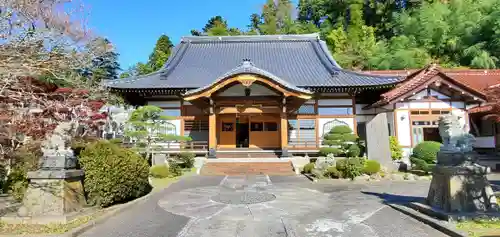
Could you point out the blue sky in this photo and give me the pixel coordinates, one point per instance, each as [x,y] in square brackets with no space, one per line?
[134,25]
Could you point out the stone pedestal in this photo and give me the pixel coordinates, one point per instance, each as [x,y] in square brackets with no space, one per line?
[52,197]
[461,189]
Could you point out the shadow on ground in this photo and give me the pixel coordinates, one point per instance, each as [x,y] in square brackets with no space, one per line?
[495,184]
[388,198]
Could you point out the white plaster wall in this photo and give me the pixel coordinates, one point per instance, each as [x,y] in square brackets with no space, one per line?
[420,95]
[360,110]
[439,95]
[404,105]
[335,102]
[334,94]
[403,127]
[165,103]
[364,118]
[419,105]
[440,105]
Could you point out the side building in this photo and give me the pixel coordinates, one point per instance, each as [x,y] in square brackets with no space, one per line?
[282,93]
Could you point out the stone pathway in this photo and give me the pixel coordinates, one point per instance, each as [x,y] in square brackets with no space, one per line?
[264,206]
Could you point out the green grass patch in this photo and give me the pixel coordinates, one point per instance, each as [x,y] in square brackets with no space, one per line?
[479,228]
[159,184]
[30,229]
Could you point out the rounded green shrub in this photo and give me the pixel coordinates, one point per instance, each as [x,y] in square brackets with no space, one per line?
[341,129]
[113,174]
[159,171]
[324,151]
[371,167]
[396,150]
[353,151]
[308,168]
[175,169]
[186,159]
[427,151]
[350,167]
[333,173]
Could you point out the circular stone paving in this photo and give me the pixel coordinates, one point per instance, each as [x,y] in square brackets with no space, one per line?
[236,198]
[216,211]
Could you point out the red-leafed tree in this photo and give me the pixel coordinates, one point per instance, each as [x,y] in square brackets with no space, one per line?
[44,44]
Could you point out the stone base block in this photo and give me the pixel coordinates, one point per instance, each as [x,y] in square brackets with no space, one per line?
[462,189]
[52,196]
[452,216]
[13,218]
[159,159]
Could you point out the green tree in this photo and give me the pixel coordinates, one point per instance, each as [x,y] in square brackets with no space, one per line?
[356,45]
[341,140]
[161,53]
[105,65]
[147,126]
[216,26]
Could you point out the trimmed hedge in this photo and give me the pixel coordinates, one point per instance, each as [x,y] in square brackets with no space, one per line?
[324,151]
[333,173]
[353,151]
[350,167]
[427,151]
[159,171]
[308,168]
[113,174]
[186,159]
[371,167]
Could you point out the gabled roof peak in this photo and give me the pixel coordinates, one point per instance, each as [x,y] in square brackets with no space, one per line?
[249,38]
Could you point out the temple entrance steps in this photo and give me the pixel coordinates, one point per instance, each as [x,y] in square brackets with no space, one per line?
[248,153]
[248,166]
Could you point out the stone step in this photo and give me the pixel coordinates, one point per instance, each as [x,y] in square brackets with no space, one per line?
[247,168]
[247,155]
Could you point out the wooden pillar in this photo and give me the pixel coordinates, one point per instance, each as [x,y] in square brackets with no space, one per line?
[284,130]
[212,128]
[212,132]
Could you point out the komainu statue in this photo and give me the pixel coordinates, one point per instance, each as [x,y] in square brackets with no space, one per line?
[459,184]
[457,148]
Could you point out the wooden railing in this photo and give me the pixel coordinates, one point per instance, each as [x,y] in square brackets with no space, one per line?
[303,145]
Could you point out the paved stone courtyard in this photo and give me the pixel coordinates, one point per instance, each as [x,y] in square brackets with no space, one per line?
[270,206]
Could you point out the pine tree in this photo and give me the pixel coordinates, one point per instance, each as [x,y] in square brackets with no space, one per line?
[161,53]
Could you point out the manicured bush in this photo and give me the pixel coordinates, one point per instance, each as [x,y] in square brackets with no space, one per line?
[396,150]
[333,173]
[324,151]
[427,151]
[113,174]
[186,159]
[308,168]
[371,167]
[342,142]
[159,171]
[175,169]
[350,167]
[353,151]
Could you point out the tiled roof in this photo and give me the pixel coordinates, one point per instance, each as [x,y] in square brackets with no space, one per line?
[418,78]
[248,67]
[300,60]
[479,79]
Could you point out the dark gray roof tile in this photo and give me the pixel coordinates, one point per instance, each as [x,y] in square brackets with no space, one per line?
[299,60]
